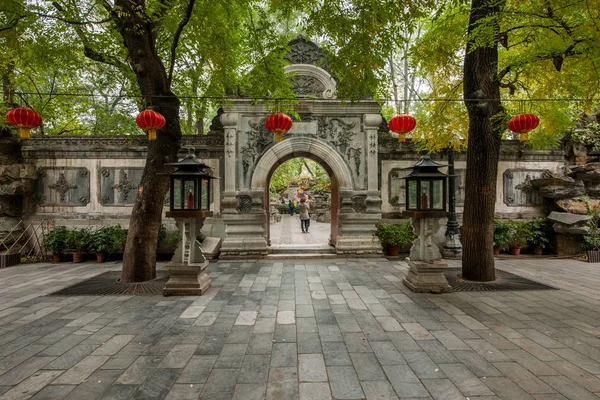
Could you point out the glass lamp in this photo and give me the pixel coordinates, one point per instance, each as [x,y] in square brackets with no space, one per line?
[190,185]
[426,189]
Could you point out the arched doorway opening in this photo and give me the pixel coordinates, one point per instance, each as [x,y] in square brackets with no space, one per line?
[290,180]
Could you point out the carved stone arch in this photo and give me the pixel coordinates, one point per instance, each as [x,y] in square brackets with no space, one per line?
[300,147]
[311,80]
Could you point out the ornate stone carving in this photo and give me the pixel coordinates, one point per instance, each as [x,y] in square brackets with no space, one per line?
[303,51]
[259,139]
[518,190]
[213,142]
[359,203]
[62,186]
[355,154]
[125,186]
[119,188]
[304,85]
[244,204]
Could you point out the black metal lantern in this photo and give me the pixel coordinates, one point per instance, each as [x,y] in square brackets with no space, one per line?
[426,189]
[190,188]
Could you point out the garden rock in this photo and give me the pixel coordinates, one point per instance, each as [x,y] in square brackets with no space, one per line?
[577,206]
[567,223]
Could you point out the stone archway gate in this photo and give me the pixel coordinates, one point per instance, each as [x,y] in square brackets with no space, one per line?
[341,135]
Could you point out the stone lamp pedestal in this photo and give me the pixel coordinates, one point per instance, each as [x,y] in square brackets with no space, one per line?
[426,274]
[186,269]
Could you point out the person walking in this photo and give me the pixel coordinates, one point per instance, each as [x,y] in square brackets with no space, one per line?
[304,215]
[292,207]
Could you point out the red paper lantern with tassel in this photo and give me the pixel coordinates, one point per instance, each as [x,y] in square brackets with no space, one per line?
[278,124]
[523,124]
[150,121]
[402,124]
[24,118]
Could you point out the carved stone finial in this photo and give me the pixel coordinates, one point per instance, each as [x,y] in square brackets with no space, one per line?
[303,51]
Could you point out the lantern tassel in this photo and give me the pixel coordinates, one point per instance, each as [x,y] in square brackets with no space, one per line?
[151,134]
[278,136]
[402,137]
[523,137]
[25,133]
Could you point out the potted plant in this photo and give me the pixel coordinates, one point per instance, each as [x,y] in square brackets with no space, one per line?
[101,242]
[538,237]
[119,238]
[501,234]
[78,241]
[519,232]
[591,241]
[394,237]
[55,240]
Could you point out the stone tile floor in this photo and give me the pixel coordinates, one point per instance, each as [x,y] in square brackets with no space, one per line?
[315,330]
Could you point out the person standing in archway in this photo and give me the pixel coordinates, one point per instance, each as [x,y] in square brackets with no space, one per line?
[292,207]
[304,215]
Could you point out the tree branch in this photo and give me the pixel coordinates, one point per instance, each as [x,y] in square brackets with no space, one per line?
[182,24]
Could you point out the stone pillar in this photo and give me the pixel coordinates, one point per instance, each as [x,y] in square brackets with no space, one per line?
[426,273]
[356,232]
[245,227]
[186,269]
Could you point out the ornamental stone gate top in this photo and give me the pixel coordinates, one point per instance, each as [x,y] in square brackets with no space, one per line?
[340,136]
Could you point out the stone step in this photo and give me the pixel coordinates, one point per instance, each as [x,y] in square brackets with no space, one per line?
[299,256]
[301,249]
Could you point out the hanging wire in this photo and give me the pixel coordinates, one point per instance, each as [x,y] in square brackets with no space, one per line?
[277,99]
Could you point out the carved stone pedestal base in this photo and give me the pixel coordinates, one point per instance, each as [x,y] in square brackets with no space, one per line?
[186,279]
[427,277]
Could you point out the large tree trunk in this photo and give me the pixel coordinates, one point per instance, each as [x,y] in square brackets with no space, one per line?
[482,99]
[139,260]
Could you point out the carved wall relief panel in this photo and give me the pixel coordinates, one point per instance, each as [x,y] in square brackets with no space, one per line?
[396,187]
[63,187]
[518,190]
[304,85]
[119,186]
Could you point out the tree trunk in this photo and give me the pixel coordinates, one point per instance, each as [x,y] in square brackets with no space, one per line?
[139,259]
[482,99]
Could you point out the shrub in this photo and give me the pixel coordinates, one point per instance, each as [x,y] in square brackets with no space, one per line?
[538,233]
[591,241]
[102,240]
[502,230]
[395,235]
[519,232]
[55,240]
[78,240]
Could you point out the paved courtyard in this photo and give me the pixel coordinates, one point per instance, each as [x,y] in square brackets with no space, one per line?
[309,330]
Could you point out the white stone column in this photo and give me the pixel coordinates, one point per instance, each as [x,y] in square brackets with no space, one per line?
[230,126]
[371,123]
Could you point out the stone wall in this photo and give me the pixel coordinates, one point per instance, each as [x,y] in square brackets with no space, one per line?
[518,166]
[94,180]
[78,181]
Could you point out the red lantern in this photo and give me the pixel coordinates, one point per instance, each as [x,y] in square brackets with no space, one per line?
[278,124]
[402,124]
[24,118]
[150,121]
[523,124]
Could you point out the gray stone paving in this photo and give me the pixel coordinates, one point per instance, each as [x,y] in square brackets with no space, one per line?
[339,329]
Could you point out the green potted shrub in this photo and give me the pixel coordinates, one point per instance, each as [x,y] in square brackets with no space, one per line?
[394,237]
[519,232]
[119,238]
[591,241]
[78,242]
[101,242]
[502,230]
[283,209]
[538,235]
[55,240]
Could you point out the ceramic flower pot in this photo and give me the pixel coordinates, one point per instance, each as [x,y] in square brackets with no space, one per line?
[515,251]
[78,257]
[392,251]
